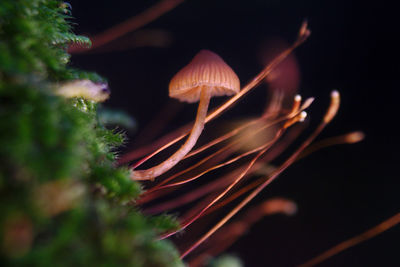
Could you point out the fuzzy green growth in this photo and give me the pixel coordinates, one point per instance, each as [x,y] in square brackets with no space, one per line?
[62,200]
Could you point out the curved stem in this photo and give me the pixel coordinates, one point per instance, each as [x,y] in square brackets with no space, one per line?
[198,126]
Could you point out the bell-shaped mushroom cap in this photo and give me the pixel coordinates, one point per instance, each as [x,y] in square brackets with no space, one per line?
[206,71]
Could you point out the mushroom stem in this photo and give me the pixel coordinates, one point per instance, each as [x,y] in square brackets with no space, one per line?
[198,127]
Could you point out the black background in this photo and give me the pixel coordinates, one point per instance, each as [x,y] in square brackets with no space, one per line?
[341,191]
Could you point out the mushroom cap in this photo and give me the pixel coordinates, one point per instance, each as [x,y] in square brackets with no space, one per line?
[206,70]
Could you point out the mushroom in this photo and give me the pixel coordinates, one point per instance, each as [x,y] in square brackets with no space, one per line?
[207,75]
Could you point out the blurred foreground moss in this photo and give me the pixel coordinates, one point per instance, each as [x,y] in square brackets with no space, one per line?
[62,200]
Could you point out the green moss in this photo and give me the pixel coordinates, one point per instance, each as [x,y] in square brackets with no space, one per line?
[63,202]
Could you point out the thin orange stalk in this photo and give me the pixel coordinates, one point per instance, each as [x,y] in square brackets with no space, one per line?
[234,196]
[349,138]
[374,231]
[129,25]
[195,194]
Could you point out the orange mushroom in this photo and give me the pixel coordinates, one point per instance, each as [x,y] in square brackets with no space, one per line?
[207,75]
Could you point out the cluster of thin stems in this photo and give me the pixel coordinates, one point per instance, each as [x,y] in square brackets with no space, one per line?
[268,120]
[225,189]
[238,185]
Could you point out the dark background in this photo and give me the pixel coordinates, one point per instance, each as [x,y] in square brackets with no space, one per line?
[341,191]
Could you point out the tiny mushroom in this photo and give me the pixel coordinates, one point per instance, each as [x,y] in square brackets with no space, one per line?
[207,75]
